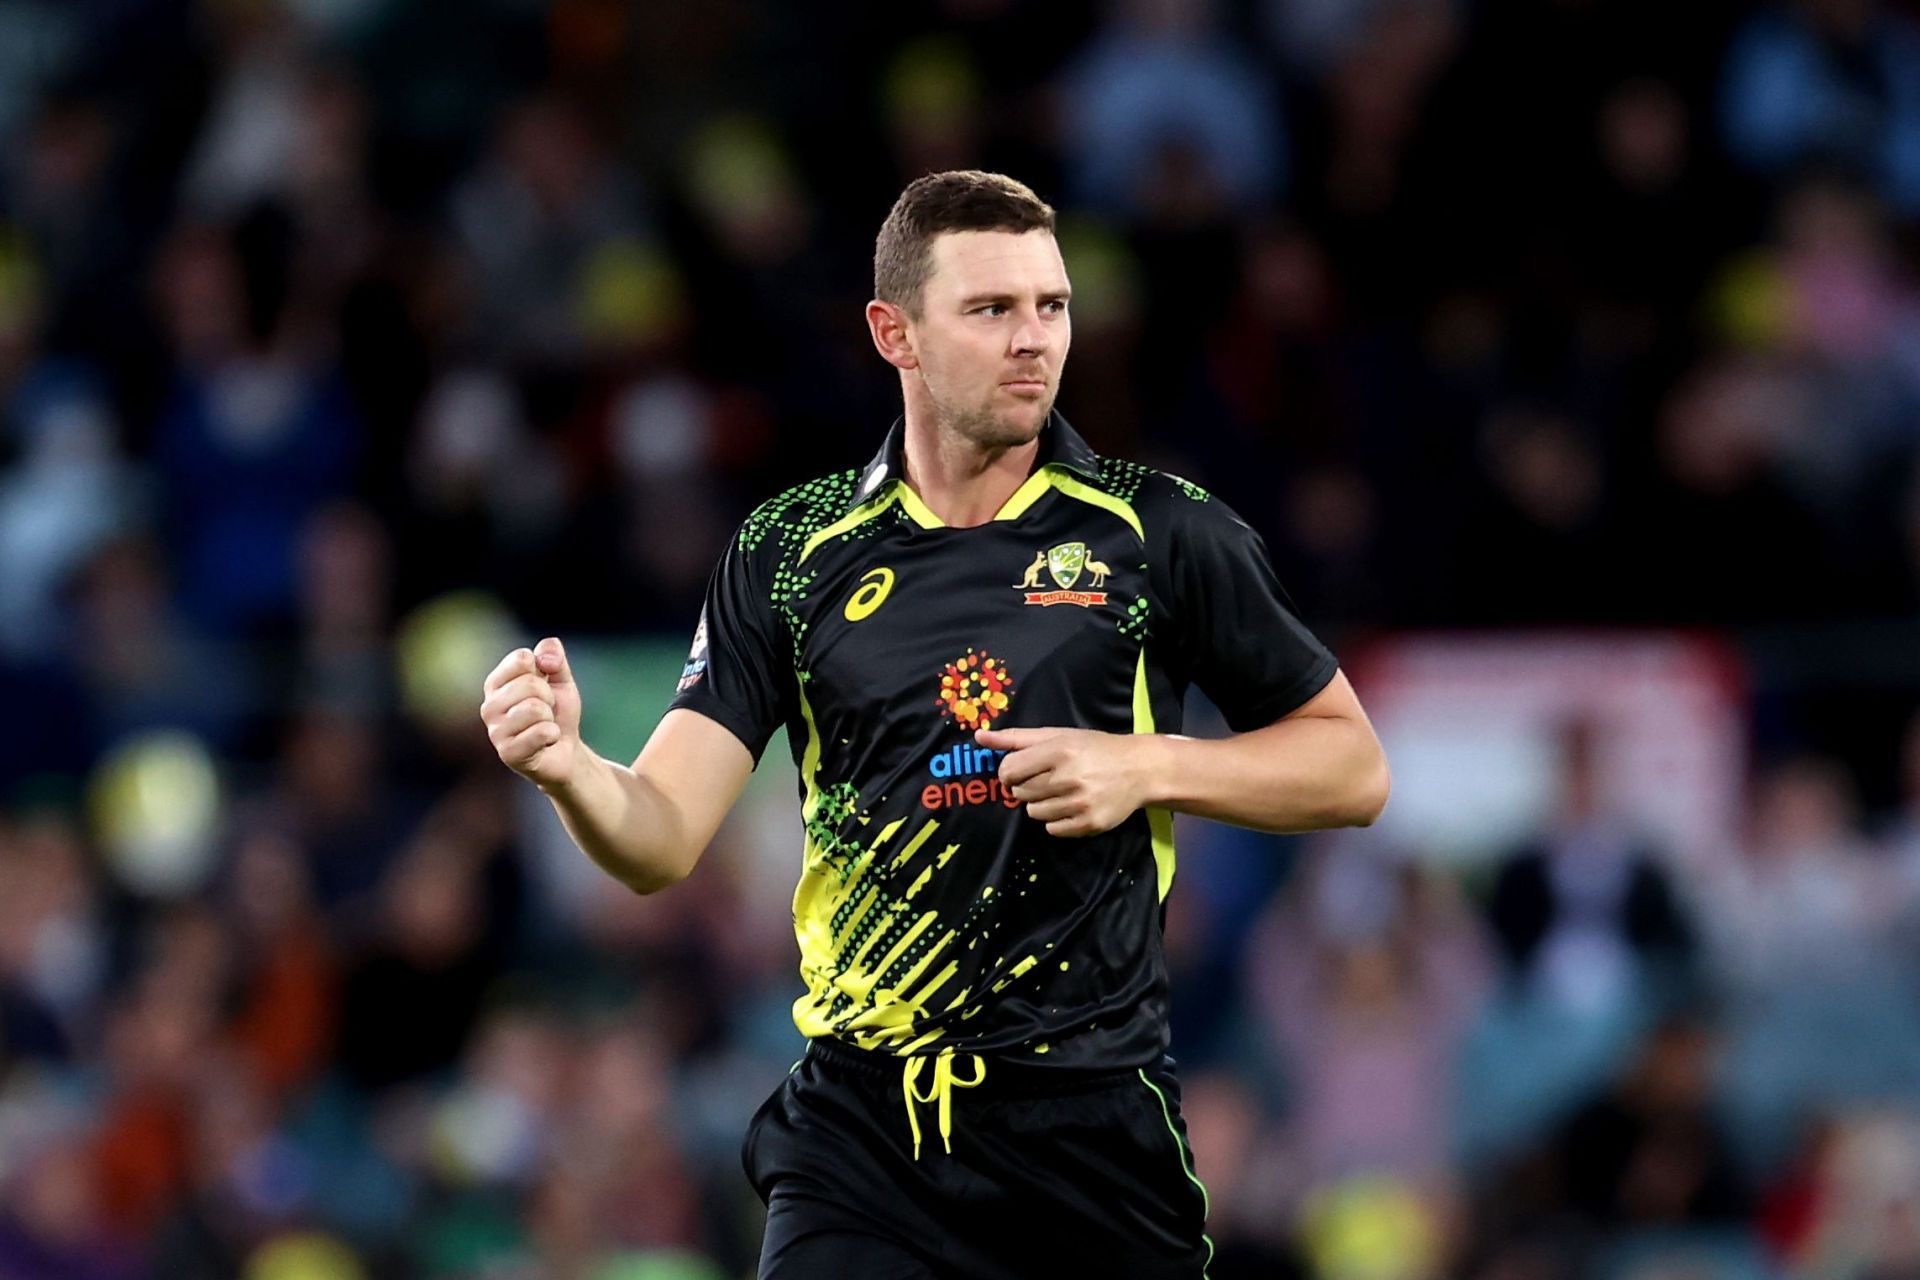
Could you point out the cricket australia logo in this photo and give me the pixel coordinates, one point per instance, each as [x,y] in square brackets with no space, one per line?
[1064,564]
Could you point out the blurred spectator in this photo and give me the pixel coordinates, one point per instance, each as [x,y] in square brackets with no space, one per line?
[1722,529]
[1541,525]
[1166,119]
[1367,981]
[339,800]
[63,190]
[1806,904]
[1586,915]
[345,602]
[932,107]
[141,664]
[621,1137]
[530,219]
[1376,90]
[247,1181]
[1828,81]
[484,487]
[1647,229]
[1650,1152]
[1314,34]
[289,133]
[1835,313]
[38,41]
[248,145]
[257,431]
[1858,1208]
[49,1227]
[412,996]
[1804,929]
[494,1128]
[53,944]
[287,1003]
[160,1037]
[67,493]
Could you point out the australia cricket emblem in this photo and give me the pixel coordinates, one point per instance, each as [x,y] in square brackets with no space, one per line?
[1065,564]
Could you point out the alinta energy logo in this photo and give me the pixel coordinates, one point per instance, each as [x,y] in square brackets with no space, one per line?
[1064,563]
[975,690]
[974,693]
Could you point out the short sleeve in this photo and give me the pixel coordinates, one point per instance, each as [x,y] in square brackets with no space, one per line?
[734,673]
[1234,631]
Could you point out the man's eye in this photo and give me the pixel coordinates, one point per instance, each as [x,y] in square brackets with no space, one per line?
[992,309]
[1057,305]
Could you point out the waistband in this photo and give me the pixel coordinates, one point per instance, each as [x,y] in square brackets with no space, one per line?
[1007,1077]
[943,1069]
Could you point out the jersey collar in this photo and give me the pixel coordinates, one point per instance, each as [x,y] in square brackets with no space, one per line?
[1060,445]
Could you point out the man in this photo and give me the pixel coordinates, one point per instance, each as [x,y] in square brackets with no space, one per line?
[979,644]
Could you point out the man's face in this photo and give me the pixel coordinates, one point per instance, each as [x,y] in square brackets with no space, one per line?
[992,333]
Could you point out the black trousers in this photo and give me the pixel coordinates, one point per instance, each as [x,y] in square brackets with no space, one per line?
[1051,1174]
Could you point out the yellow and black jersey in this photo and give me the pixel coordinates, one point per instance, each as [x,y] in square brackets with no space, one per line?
[932,914]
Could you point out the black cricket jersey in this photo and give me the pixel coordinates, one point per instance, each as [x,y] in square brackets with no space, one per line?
[932,913]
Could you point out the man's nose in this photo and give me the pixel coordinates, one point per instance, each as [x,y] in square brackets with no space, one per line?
[1030,336]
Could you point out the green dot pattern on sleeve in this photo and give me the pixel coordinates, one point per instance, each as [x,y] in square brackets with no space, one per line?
[790,519]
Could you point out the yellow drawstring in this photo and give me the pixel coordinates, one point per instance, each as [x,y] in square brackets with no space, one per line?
[944,1083]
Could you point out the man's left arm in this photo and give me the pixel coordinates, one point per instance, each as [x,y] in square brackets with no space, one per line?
[1302,756]
[1318,766]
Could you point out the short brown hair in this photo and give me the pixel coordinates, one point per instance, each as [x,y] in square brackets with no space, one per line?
[957,200]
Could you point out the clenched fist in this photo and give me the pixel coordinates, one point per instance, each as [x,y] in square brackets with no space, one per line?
[531,708]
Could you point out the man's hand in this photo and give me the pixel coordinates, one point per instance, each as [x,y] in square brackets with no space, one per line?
[1080,782]
[531,708]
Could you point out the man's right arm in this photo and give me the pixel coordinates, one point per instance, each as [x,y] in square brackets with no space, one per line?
[645,824]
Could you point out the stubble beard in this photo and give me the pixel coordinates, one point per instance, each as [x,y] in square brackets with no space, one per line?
[987,430]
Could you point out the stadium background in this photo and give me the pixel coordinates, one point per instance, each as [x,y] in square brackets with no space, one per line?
[1566,352]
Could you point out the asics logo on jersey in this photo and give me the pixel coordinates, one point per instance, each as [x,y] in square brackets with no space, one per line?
[875,584]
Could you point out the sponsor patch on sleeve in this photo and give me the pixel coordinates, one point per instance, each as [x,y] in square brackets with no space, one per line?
[696,668]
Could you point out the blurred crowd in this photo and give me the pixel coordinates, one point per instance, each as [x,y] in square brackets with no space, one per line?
[346,343]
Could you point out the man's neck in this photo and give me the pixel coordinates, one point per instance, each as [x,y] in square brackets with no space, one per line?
[962,483]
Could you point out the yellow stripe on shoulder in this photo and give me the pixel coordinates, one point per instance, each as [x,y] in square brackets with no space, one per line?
[1026,495]
[852,520]
[917,510]
[1084,492]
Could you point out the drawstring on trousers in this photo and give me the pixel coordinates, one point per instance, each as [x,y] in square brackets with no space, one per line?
[944,1083]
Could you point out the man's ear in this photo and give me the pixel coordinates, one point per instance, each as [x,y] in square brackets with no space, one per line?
[892,334]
